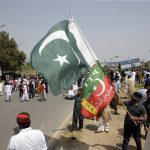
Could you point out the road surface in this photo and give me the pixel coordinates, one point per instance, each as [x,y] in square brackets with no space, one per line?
[46,116]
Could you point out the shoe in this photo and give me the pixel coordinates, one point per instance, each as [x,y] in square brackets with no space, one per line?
[81,129]
[73,129]
[107,127]
[100,129]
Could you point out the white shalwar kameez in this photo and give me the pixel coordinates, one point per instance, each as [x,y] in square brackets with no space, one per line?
[8,91]
[25,93]
[1,88]
[28,139]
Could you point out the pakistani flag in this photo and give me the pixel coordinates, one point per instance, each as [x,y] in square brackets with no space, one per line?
[98,91]
[62,56]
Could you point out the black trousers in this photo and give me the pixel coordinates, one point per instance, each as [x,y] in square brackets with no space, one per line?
[20,93]
[75,122]
[134,130]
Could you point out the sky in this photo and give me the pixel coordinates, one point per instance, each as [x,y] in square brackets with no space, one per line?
[112,28]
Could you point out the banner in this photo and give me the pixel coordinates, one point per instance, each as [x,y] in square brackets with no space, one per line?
[98,91]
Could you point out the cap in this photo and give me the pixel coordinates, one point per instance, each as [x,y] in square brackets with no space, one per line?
[23,117]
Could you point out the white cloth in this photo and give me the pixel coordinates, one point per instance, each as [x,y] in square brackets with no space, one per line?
[75,89]
[25,93]
[8,91]
[28,139]
[133,75]
[1,88]
[70,93]
[144,95]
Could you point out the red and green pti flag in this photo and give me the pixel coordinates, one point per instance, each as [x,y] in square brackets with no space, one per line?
[98,91]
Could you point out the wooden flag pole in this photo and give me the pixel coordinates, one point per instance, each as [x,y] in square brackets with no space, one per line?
[127,109]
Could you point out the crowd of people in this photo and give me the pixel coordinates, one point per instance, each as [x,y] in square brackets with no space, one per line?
[26,87]
[137,103]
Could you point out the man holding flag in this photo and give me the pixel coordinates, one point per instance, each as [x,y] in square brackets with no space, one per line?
[62,56]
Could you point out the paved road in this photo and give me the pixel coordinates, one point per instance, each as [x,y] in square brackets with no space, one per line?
[46,116]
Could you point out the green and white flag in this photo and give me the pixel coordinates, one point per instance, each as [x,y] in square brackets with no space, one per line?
[62,56]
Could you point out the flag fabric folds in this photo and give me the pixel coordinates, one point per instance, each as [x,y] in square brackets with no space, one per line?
[98,91]
[62,56]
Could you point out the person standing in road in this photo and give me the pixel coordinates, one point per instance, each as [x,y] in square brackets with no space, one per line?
[20,88]
[25,93]
[103,118]
[27,138]
[132,122]
[43,91]
[131,86]
[115,100]
[1,88]
[8,91]
[147,106]
[31,90]
[77,115]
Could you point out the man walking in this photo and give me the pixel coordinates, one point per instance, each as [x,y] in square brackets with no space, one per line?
[147,106]
[27,138]
[131,86]
[1,88]
[8,91]
[132,121]
[77,115]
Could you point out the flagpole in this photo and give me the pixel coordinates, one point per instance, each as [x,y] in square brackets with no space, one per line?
[126,107]
[91,51]
[127,111]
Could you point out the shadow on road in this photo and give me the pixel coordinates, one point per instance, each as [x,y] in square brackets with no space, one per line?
[107,147]
[120,131]
[130,147]
[71,143]
[91,127]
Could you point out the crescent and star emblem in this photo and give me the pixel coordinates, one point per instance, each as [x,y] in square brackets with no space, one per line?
[103,86]
[56,35]
[60,34]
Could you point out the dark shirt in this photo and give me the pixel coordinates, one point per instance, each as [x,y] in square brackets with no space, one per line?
[147,106]
[137,110]
[77,108]
[31,87]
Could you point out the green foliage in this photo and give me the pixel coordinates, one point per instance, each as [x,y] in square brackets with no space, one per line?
[26,69]
[11,58]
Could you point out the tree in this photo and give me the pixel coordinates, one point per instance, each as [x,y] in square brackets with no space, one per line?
[11,58]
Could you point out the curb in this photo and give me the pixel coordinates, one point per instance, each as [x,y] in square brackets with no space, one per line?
[56,137]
